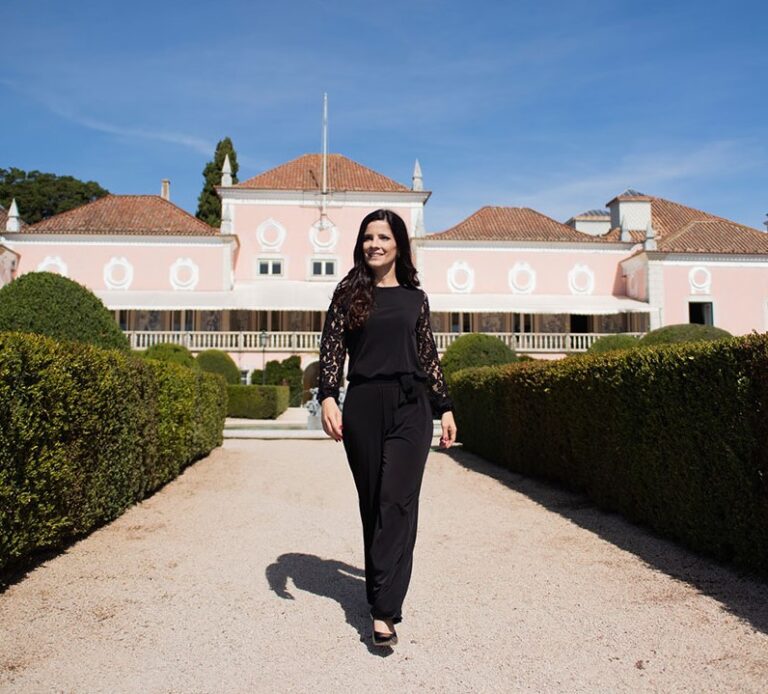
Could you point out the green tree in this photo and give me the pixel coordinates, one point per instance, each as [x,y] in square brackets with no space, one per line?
[209,203]
[40,195]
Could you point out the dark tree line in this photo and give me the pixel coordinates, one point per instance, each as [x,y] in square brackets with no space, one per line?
[40,195]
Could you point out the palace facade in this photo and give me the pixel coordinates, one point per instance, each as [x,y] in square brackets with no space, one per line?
[258,286]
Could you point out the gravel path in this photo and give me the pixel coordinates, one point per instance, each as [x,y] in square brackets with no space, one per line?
[244,575]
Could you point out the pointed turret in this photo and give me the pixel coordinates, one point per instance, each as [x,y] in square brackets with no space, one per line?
[13,223]
[418,181]
[226,172]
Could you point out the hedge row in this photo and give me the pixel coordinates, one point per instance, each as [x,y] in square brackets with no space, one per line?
[257,402]
[673,437]
[86,432]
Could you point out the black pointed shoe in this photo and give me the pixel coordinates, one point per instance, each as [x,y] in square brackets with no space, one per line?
[382,639]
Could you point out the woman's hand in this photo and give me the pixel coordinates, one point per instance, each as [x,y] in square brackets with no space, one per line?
[449,430]
[331,418]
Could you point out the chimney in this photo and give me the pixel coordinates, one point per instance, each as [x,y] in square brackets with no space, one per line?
[13,223]
[165,189]
[631,211]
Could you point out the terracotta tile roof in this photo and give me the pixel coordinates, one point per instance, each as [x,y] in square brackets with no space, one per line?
[682,229]
[715,236]
[614,236]
[130,215]
[306,173]
[512,224]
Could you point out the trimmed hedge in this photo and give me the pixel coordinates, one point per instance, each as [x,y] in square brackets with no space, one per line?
[257,402]
[475,349]
[86,432]
[172,353]
[682,332]
[288,370]
[217,362]
[673,437]
[45,303]
[610,343]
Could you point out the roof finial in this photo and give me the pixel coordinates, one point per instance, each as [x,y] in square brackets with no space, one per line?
[13,223]
[226,172]
[418,181]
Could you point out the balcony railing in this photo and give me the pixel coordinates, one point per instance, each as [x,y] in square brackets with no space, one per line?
[526,343]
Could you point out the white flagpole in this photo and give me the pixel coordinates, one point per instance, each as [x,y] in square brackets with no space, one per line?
[325,153]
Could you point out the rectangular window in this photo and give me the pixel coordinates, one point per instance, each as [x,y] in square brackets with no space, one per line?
[270,266]
[700,312]
[323,268]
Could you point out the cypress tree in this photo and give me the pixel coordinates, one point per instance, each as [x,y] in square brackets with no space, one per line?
[208,203]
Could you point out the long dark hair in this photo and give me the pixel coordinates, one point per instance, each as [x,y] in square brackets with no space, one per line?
[355,291]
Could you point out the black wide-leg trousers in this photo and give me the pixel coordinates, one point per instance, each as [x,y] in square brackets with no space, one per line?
[387,434]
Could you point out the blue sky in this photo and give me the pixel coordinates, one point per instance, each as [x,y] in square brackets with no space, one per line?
[555,105]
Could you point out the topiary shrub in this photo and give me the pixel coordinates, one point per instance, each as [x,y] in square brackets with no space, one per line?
[609,343]
[257,402]
[287,372]
[45,303]
[169,352]
[683,332]
[476,349]
[218,362]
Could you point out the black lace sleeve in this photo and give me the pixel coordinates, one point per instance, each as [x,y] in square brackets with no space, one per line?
[332,351]
[430,362]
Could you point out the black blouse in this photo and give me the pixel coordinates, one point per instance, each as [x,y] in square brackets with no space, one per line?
[396,338]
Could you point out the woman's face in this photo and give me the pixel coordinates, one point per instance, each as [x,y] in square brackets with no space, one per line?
[379,245]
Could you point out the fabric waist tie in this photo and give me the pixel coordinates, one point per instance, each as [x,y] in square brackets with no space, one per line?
[406,381]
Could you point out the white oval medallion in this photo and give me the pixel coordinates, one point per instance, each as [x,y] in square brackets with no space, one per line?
[522,278]
[53,263]
[270,235]
[184,274]
[118,273]
[323,235]
[461,277]
[581,279]
[700,280]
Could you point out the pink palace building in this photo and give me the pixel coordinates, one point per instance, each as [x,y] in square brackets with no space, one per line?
[259,286]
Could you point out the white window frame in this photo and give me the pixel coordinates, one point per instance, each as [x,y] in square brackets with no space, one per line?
[271,260]
[322,259]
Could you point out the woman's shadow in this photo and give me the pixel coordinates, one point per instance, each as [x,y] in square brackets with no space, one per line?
[330,579]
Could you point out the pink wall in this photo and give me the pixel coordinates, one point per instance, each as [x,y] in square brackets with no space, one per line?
[637,283]
[491,268]
[297,247]
[739,295]
[151,264]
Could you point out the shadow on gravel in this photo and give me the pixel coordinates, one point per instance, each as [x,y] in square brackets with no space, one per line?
[328,578]
[741,593]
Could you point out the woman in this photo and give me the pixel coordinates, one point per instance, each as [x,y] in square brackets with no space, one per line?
[381,317]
